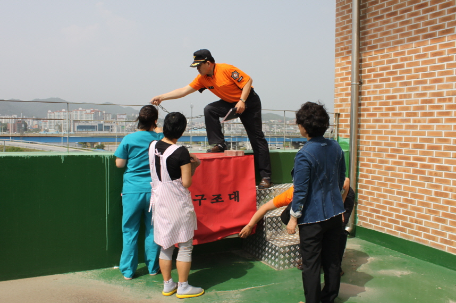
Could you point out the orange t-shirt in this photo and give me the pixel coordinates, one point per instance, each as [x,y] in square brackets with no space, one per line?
[284,198]
[226,83]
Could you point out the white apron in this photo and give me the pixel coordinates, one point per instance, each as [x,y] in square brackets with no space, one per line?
[173,214]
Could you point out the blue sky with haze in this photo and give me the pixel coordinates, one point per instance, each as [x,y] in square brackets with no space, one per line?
[126,52]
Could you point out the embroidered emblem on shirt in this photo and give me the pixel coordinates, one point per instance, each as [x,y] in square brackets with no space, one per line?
[235,75]
[240,79]
[211,87]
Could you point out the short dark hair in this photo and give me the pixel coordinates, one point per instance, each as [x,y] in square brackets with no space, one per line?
[174,125]
[147,117]
[314,118]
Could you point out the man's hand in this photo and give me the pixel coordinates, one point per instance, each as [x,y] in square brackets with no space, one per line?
[156,100]
[175,94]
[291,227]
[246,231]
[240,107]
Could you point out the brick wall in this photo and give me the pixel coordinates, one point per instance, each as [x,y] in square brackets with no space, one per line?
[407,125]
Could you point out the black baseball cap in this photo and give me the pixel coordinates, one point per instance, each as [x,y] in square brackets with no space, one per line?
[201,56]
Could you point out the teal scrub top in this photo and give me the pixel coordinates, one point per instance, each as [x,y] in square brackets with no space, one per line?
[135,149]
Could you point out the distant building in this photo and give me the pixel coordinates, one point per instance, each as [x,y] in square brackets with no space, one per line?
[72,121]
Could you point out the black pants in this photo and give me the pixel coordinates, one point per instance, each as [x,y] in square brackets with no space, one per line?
[250,118]
[319,244]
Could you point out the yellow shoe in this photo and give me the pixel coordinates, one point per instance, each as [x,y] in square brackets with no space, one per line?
[169,293]
[189,291]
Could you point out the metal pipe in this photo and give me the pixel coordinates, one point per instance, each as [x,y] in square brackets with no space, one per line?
[336,125]
[68,128]
[191,124]
[284,128]
[354,107]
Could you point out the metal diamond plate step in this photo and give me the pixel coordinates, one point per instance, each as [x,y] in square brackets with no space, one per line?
[271,243]
[264,195]
[274,228]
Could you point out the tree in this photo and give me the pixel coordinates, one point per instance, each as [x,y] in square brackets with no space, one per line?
[100,146]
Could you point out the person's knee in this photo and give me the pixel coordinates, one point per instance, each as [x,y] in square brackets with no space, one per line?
[208,109]
[166,254]
[185,252]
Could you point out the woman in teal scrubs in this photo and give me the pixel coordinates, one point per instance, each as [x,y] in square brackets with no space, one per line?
[133,153]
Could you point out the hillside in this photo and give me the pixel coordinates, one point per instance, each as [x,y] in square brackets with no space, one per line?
[269,116]
[39,110]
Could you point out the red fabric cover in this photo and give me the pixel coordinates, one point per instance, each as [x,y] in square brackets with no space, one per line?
[224,176]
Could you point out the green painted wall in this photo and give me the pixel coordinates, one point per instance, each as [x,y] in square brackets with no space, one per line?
[281,165]
[61,213]
[58,213]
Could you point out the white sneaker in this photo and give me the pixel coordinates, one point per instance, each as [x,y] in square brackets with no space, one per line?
[169,288]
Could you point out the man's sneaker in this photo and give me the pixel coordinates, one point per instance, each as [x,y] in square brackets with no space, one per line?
[218,148]
[169,288]
[185,290]
[265,183]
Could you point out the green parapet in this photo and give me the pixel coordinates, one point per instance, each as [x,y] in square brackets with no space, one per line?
[62,213]
[59,213]
[282,162]
[344,143]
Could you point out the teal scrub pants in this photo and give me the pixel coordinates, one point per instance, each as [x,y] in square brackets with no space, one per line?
[134,205]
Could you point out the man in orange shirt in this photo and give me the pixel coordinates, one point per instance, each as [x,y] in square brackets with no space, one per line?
[234,88]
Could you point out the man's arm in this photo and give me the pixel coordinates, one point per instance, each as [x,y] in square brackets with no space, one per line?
[346,188]
[279,201]
[240,106]
[175,94]
[247,230]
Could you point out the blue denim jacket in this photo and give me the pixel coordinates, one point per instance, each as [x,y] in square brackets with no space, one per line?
[318,178]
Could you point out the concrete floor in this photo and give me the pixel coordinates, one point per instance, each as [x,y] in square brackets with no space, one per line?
[372,274]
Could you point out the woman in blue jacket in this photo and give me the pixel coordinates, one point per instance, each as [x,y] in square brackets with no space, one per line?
[133,153]
[317,207]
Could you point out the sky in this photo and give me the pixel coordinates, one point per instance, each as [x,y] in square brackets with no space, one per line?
[127,52]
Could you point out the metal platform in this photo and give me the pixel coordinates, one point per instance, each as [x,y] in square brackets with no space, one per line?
[271,243]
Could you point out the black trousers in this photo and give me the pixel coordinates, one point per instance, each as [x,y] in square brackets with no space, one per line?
[319,245]
[250,118]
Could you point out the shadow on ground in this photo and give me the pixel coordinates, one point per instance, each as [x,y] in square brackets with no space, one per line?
[354,281]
